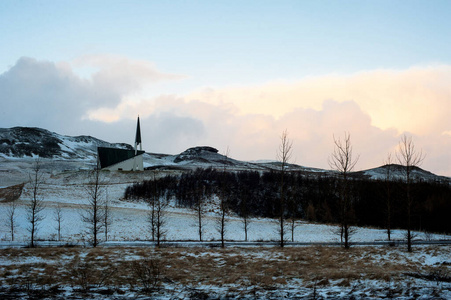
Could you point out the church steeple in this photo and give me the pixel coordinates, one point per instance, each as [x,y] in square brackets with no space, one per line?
[138,137]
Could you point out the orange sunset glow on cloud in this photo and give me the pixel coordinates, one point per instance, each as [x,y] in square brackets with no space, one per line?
[376,107]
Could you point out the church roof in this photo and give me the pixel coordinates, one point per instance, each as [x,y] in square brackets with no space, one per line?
[138,134]
[111,156]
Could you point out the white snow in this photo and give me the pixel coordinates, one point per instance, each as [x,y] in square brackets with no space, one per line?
[130,223]
[64,185]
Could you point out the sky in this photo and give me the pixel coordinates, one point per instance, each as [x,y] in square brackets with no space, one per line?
[234,74]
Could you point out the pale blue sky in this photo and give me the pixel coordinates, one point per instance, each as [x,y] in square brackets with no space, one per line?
[227,42]
[233,73]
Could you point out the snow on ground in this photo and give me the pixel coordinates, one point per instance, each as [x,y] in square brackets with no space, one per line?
[130,219]
[64,185]
[204,273]
[130,223]
[318,272]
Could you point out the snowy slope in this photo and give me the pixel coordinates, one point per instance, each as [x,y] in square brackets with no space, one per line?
[130,219]
[20,142]
[396,172]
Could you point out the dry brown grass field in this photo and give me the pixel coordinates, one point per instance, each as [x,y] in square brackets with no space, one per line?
[315,272]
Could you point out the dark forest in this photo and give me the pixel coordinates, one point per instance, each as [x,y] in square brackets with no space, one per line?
[312,197]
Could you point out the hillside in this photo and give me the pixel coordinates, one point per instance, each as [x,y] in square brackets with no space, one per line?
[19,145]
[20,142]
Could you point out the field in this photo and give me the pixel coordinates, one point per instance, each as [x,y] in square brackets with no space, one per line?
[124,269]
[215,273]
[130,219]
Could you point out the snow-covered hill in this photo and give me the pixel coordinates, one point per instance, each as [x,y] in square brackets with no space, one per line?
[202,157]
[19,145]
[20,142]
[398,172]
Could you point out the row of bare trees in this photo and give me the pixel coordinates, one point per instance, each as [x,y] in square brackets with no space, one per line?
[296,195]
[96,215]
[34,209]
[158,202]
[343,161]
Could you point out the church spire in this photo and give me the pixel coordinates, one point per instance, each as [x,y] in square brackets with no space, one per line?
[138,137]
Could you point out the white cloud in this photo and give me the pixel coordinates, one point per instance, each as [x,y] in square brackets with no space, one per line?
[52,95]
[121,75]
[375,107]
[416,100]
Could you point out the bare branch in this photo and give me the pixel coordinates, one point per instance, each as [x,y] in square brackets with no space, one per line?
[408,156]
[342,159]
[285,149]
[389,160]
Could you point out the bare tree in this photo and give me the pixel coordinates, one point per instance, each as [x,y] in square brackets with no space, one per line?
[283,155]
[388,163]
[107,220]
[343,162]
[293,196]
[199,207]
[160,219]
[36,206]
[157,212]
[152,201]
[244,213]
[410,158]
[58,218]
[93,215]
[223,208]
[151,218]
[11,217]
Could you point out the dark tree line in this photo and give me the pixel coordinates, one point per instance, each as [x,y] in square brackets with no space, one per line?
[315,197]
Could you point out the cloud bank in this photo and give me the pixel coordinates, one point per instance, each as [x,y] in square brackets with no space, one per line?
[48,94]
[408,100]
[375,107]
